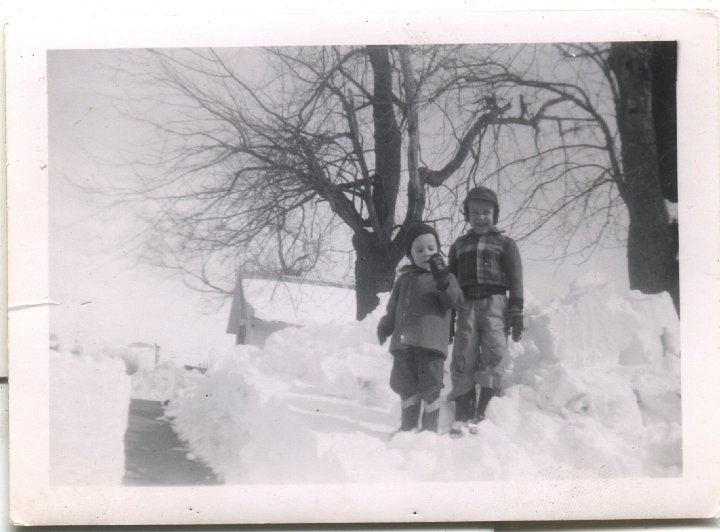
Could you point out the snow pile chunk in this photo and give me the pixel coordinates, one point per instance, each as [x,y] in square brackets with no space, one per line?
[593,325]
[243,438]
[161,383]
[607,367]
[89,401]
[342,360]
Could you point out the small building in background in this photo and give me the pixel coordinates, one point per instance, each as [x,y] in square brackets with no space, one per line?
[141,356]
[261,306]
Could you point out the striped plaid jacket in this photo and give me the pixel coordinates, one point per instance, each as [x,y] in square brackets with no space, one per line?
[487,264]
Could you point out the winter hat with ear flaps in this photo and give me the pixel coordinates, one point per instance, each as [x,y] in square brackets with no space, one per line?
[415,231]
[485,194]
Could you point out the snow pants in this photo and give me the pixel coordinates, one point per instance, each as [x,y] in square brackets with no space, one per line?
[480,346]
[417,377]
[417,372]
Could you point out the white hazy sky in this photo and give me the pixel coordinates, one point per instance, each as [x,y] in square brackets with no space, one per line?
[106,296]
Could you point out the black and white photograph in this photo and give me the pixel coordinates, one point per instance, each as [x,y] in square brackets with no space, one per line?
[383,276]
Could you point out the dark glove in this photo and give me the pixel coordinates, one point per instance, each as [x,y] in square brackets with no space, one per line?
[514,323]
[440,271]
[384,329]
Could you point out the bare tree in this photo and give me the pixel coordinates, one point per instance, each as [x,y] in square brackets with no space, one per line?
[590,151]
[646,75]
[303,148]
[312,143]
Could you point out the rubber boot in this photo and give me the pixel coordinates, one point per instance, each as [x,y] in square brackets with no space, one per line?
[464,413]
[409,417]
[485,395]
[465,406]
[430,420]
[431,415]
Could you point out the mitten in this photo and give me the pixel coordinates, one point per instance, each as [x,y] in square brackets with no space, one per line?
[440,271]
[514,322]
[384,329]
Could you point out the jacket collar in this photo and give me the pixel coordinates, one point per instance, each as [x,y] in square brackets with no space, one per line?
[411,268]
[490,230]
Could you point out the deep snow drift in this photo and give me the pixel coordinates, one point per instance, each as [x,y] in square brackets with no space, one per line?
[593,391]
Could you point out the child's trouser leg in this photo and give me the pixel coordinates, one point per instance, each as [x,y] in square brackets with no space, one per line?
[465,354]
[404,382]
[493,342]
[493,350]
[465,406]
[417,376]
[431,367]
[410,412]
[465,360]
[431,414]
[485,395]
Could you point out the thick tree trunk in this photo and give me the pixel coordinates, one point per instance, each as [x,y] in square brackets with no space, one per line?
[663,65]
[416,187]
[652,264]
[374,271]
[388,142]
[376,255]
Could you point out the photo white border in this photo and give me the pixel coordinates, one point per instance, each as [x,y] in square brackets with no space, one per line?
[695,494]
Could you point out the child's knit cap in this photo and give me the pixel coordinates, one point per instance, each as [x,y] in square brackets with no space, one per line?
[417,229]
[484,194]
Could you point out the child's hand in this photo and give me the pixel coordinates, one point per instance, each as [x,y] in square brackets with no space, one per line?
[382,336]
[440,271]
[514,324]
[383,331]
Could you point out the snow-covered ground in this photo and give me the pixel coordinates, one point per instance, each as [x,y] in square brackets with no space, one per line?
[89,400]
[593,391]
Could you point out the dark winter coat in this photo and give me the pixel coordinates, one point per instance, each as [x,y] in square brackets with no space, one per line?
[418,314]
[487,264]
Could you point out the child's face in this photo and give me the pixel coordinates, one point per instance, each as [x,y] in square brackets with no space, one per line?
[423,247]
[480,214]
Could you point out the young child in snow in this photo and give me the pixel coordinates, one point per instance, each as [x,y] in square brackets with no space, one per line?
[488,268]
[418,318]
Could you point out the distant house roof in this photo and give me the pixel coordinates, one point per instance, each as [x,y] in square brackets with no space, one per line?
[299,303]
[291,301]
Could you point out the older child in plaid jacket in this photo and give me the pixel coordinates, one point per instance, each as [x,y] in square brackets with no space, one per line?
[489,270]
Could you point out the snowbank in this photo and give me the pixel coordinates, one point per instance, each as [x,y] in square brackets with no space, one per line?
[89,400]
[593,391]
[163,382]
